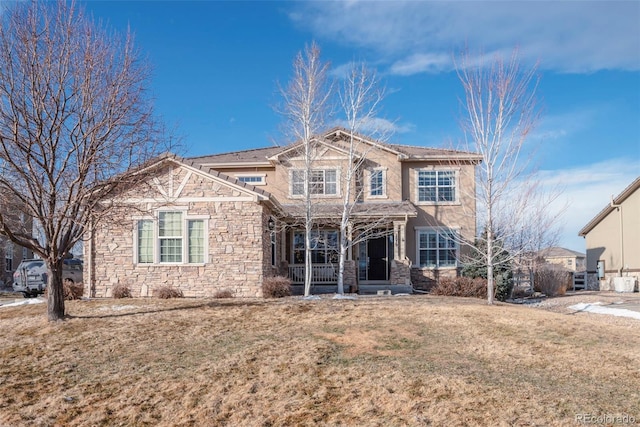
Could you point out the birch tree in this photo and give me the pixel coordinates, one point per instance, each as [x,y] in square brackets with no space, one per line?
[74,117]
[360,98]
[306,105]
[500,113]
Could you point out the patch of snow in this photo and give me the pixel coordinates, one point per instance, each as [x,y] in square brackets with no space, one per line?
[340,296]
[27,301]
[118,307]
[311,297]
[597,307]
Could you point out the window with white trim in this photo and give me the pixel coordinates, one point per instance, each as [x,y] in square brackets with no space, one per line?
[173,238]
[377,183]
[436,248]
[321,182]
[8,256]
[252,179]
[436,186]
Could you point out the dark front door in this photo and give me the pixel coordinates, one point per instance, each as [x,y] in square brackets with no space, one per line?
[377,253]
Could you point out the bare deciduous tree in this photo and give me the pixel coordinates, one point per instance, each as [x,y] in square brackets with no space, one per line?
[360,98]
[305,108]
[74,122]
[501,111]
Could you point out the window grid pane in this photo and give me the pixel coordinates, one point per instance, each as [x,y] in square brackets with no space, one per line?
[437,249]
[170,250]
[145,241]
[297,183]
[436,186]
[376,183]
[170,224]
[196,241]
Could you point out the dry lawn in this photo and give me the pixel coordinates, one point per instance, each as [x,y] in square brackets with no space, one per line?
[394,361]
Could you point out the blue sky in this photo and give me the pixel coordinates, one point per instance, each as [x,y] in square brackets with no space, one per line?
[217,66]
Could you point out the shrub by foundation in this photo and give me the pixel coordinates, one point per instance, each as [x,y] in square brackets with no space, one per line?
[276,287]
[70,289]
[551,281]
[166,292]
[223,293]
[121,291]
[461,287]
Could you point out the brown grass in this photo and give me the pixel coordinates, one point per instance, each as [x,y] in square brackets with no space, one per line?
[394,361]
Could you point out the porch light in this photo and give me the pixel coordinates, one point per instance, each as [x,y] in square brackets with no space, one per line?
[271,224]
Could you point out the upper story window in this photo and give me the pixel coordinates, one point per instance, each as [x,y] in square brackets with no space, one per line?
[377,183]
[436,186]
[321,182]
[173,239]
[259,179]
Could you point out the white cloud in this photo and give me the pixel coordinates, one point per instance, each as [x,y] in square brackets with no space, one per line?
[569,36]
[380,127]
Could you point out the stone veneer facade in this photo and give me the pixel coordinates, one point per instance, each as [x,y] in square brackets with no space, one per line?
[238,243]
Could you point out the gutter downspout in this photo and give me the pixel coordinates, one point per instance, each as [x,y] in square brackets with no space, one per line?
[619,208]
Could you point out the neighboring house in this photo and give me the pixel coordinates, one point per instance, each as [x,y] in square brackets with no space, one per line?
[613,239]
[566,258]
[11,255]
[229,220]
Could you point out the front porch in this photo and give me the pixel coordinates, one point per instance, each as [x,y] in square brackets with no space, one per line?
[324,279]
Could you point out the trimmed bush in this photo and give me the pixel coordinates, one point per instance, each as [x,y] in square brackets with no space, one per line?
[166,292]
[461,287]
[223,293]
[121,291]
[276,287]
[551,281]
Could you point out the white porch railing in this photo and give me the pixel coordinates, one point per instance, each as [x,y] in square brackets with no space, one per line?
[320,273]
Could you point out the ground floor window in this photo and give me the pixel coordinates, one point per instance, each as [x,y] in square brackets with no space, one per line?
[173,238]
[324,247]
[8,257]
[437,247]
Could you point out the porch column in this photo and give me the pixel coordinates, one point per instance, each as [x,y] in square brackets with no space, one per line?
[350,239]
[399,240]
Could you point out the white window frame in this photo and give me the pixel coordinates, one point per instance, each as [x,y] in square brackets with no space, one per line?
[306,183]
[383,185]
[186,218]
[256,179]
[437,231]
[8,256]
[456,188]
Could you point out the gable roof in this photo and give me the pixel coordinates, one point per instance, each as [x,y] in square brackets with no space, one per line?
[262,156]
[558,252]
[202,170]
[609,208]
[253,157]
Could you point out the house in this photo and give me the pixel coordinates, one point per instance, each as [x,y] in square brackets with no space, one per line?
[566,258]
[227,221]
[613,240]
[12,255]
